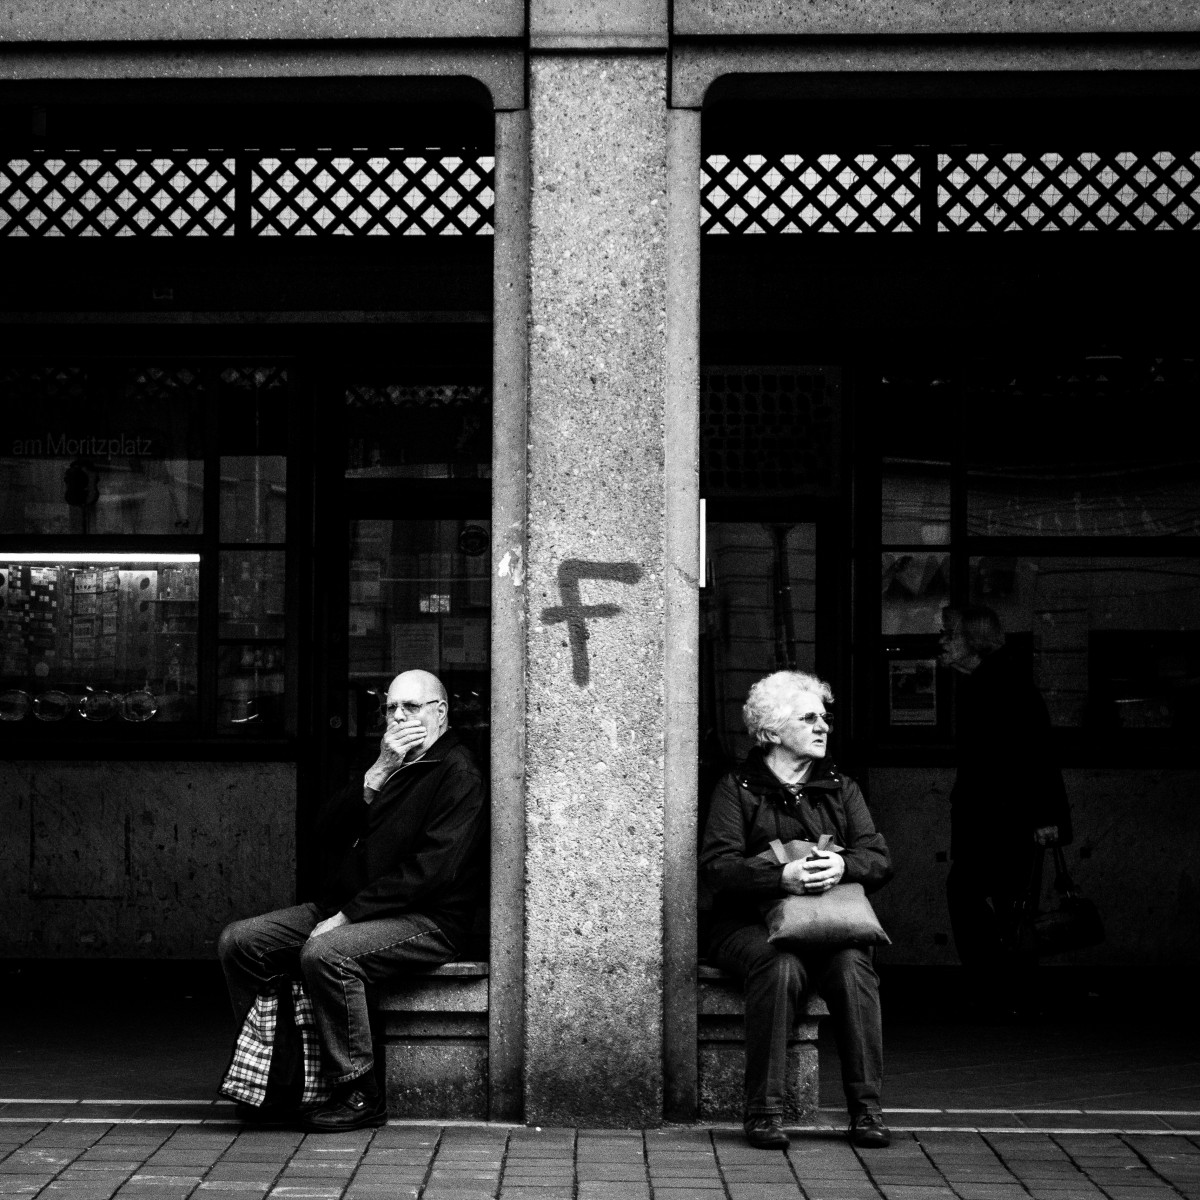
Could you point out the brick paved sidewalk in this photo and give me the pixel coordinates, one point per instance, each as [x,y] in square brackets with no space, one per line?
[95,1160]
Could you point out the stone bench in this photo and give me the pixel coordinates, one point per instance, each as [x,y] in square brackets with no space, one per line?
[721,1054]
[434,1031]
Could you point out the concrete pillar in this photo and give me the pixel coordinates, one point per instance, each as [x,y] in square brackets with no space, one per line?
[681,673]
[595,726]
[506,1007]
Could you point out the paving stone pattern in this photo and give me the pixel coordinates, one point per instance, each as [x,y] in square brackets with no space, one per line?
[411,1162]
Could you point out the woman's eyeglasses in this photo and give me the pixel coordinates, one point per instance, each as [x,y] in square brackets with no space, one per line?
[811,718]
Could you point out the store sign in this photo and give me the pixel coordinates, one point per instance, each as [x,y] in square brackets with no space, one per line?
[60,445]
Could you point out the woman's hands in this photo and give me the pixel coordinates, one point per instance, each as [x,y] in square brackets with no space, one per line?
[817,873]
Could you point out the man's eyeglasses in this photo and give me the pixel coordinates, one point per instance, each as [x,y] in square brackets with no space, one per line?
[811,718]
[411,707]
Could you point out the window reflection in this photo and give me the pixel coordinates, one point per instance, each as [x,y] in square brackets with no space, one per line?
[1114,641]
[1065,449]
[916,503]
[420,598]
[102,449]
[418,431]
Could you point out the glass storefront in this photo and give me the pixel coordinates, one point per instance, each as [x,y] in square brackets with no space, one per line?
[107,639]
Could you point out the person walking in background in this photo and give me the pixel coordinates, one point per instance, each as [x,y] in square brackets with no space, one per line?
[785,790]
[1008,798]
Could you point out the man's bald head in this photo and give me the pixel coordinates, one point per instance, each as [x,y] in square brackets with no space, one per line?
[426,683]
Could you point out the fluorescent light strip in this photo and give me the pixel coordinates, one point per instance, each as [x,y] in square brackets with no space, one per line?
[99,556]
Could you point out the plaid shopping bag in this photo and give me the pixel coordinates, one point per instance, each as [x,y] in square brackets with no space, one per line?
[314,1090]
[277,1056]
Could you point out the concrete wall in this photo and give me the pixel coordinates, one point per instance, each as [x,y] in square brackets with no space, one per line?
[923,17]
[574,23]
[269,20]
[140,860]
[1136,854]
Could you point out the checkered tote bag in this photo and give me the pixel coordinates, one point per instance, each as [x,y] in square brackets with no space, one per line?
[274,1035]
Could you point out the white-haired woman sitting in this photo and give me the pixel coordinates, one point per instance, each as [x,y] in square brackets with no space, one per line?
[786,789]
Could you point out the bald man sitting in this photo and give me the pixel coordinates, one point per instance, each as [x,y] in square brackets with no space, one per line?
[401,899]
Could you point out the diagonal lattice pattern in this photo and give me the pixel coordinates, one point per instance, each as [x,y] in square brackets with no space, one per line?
[1004,190]
[872,192]
[417,395]
[116,194]
[372,194]
[769,430]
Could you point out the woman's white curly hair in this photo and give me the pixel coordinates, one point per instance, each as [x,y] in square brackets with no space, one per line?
[772,700]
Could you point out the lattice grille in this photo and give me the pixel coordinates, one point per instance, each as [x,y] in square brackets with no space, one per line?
[769,430]
[417,395]
[160,385]
[988,189]
[372,194]
[30,389]
[116,194]
[875,192]
[1019,190]
[256,379]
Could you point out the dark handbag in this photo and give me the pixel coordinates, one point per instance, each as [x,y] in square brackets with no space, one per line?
[1072,925]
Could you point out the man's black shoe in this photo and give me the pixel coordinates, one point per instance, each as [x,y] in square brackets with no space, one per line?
[868,1131]
[765,1132]
[354,1105]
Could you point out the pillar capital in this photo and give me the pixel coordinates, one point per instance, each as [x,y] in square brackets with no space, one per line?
[598,26]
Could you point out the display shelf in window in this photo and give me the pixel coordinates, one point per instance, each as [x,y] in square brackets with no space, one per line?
[250,691]
[96,638]
[252,594]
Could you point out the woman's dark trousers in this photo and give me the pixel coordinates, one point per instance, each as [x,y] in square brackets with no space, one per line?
[775,983]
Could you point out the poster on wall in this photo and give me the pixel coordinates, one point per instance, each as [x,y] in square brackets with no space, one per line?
[464,642]
[912,691]
[415,646]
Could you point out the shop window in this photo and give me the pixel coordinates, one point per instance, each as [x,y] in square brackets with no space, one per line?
[143,531]
[418,431]
[420,599]
[1048,490]
[1113,641]
[101,638]
[1052,450]
[758,614]
[915,503]
[102,449]
[770,429]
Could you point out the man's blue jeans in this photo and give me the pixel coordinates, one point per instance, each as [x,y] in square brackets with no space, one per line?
[775,980]
[335,969]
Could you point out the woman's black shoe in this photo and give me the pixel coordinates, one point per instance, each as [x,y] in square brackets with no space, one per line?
[868,1131]
[765,1132]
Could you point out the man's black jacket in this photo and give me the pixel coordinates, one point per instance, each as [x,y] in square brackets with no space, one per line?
[751,807]
[418,847]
